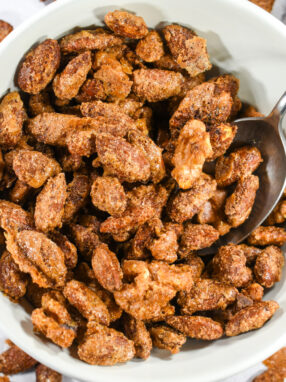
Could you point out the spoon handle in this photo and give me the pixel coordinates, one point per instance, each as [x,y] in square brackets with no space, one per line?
[280,107]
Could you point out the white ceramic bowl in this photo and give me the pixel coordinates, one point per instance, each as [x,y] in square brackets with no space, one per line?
[242,39]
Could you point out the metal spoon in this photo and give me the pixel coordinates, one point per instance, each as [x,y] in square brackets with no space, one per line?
[266,134]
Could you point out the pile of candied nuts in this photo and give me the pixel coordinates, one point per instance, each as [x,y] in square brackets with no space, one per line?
[114,174]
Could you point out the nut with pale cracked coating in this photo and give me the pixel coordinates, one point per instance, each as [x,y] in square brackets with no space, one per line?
[144,299]
[167,338]
[240,163]
[12,117]
[207,294]
[13,218]
[12,281]
[77,193]
[45,374]
[126,24]
[66,85]
[122,159]
[51,329]
[268,266]
[5,29]
[39,67]
[153,153]
[88,40]
[270,235]
[197,236]
[238,205]
[14,360]
[188,203]
[106,268]
[50,203]
[229,266]
[250,318]
[199,327]
[221,137]
[156,85]
[34,168]
[105,346]
[150,48]
[107,194]
[187,49]
[86,301]
[193,147]
[37,255]
[136,331]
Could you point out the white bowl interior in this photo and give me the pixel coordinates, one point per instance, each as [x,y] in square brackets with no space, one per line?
[242,39]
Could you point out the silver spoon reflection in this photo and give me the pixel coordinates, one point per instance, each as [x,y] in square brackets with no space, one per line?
[266,134]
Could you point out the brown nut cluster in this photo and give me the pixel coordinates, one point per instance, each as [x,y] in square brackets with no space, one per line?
[14,361]
[115,171]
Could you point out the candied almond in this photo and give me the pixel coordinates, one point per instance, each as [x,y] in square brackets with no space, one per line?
[268,266]
[187,49]
[136,331]
[14,360]
[34,253]
[267,236]
[50,204]
[5,29]
[126,24]
[105,346]
[238,205]
[250,318]
[106,268]
[185,204]
[199,327]
[34,168]
[12,281]
[122,159]
[229,266]
[12,117]
[192,148]
[240,163]
[45,374]
[13,218]
[156,85]
[66,85]
[107,194]
[50,328]
[277,361]
[88,40]
[167,338]
[150,48]
[86,301]
[207,294]
[77,192]
[39,67]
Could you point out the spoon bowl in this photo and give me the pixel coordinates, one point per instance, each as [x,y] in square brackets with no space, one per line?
[266,134]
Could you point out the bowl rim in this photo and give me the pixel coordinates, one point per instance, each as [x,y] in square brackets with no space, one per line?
[229,370]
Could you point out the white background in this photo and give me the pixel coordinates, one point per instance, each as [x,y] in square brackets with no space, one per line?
[17,11]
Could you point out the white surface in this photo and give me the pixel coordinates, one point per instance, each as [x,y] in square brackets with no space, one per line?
[246,41]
